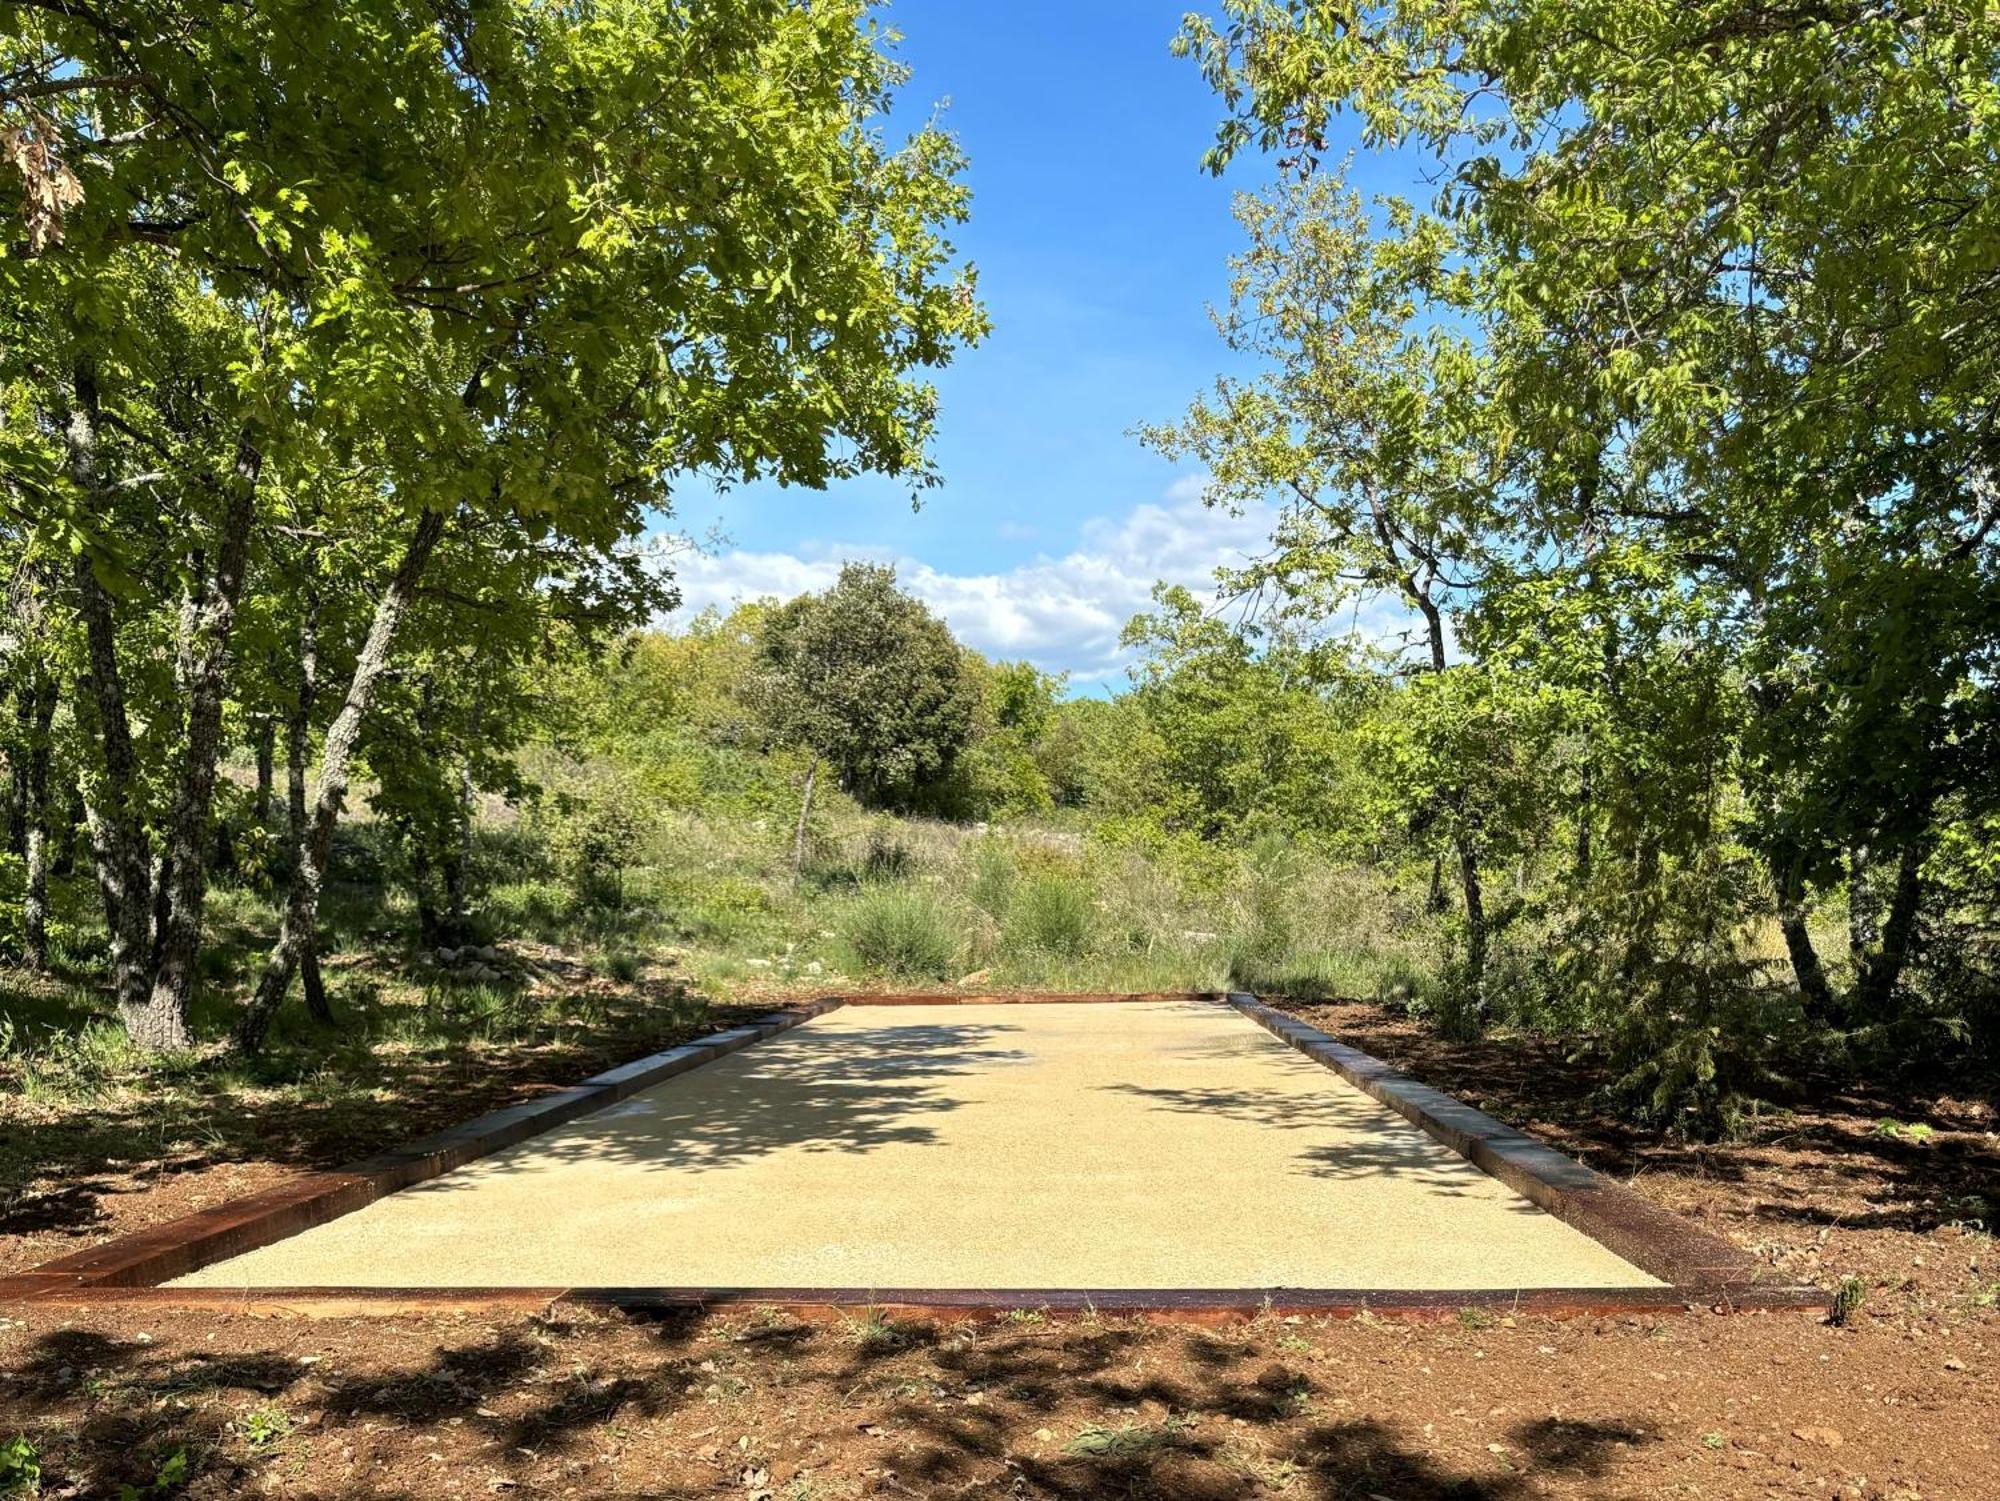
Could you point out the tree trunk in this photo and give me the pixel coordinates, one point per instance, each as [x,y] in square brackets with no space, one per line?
[302,903]
[267,735]
[1881,967]
[805,813]
[118,838]
[1585,811]
[194,797]
[73,818]
[35,902]
[298,736]
[1475,923]
[1864,909]
[1811,975]
[458,872]
[17,767]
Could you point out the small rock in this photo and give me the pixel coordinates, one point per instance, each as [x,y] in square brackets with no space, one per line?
[447,956]
[1825,1438]
[977,977]
[1953,1363]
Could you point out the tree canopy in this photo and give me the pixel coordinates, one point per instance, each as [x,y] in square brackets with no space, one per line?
[332,329]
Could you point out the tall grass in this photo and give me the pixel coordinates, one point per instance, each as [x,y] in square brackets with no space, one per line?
[903,932]
[1053,914]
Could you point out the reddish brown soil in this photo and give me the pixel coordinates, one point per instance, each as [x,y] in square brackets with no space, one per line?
[1902,1402]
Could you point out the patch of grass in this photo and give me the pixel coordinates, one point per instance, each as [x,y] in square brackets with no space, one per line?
[1917,1133]
[265,1426]
[1847,1301]
[886,859]
[1052,914]
[876,1333]
[902,932]
[994,876]
[1276,1475]
[1127,1440]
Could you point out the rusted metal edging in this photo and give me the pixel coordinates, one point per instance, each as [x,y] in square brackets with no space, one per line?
[149,1257]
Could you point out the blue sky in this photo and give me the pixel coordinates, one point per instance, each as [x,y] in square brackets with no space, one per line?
[1100,243]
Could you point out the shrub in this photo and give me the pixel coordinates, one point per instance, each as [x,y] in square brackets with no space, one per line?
[1052,913]
[903,932]
[592,840]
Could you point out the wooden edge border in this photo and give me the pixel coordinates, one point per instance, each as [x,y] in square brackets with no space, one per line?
[1657,1241]
[1700,1270]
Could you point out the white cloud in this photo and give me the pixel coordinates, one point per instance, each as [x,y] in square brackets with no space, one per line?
[1061,613]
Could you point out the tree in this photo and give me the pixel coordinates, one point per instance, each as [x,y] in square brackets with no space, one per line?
[1732,263]
[464,280]
[1369,431]
[865,679]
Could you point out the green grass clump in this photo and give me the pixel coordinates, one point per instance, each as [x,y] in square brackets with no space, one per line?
[1847,1301]
[902,932]
[993,877]
[1052,913]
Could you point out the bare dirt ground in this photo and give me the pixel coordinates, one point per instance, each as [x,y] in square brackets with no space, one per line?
[1902,1402]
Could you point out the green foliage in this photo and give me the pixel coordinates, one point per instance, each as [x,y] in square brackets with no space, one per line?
[169,1476]
[20,1467]
[298,447]
[902,932]
[592,840]
[868,680]
[264,1426]
[1052,913]
[995,877]
[1847,1301]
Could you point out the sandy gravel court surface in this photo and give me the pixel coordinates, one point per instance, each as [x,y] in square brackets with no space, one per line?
[1145,1145]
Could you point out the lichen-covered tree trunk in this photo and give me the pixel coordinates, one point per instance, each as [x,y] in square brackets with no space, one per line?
[298,735]
[186,877]
[302,901]
[119,844]
[35,899]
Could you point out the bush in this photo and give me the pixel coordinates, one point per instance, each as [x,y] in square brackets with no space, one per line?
[903,932]
[592,840]
[1052,913]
